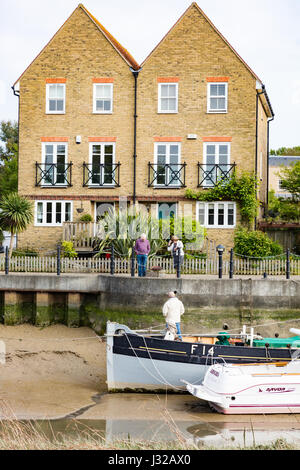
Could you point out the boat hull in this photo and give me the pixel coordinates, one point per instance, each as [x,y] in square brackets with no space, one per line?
[257,389]
[137,363]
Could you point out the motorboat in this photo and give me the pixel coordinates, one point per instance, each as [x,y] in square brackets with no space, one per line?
[266,388]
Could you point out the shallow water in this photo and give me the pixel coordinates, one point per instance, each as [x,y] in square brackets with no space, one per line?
[56,377]
[162,419]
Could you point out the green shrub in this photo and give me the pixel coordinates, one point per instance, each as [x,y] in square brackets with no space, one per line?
[86,218]
[68,250]
[25,252]
[255,244]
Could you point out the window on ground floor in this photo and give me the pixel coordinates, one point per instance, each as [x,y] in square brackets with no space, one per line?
[216,214]
[53,213]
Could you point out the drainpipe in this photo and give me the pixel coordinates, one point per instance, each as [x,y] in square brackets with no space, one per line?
[17,93]
[135,74]
[268,162]
[256,144]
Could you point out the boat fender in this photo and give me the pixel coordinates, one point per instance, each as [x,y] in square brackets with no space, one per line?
[169,336]
[295,331]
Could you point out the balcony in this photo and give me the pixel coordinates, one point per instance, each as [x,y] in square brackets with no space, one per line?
[101,175]
[210,175]
[168,175]
[53,174]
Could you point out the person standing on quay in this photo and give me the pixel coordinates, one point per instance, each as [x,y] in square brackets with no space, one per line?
[176,247]
[142,250]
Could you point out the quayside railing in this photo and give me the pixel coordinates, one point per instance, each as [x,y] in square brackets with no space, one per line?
[201,266]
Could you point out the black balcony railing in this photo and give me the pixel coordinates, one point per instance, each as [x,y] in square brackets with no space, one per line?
[101,175]
[168,175]
[210,175]
[53,174]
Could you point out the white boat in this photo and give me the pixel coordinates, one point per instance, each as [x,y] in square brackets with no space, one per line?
[267,388]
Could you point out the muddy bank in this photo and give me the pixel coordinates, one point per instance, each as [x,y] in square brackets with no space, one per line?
[50,372]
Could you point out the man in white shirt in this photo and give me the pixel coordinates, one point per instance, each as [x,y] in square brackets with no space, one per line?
[175,246]
[172,310]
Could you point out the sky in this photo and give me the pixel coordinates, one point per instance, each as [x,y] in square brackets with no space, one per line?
[265,33]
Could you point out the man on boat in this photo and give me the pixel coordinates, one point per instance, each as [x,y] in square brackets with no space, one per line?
[172,310]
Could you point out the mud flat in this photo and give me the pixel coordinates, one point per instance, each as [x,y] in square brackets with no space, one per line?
[50,372]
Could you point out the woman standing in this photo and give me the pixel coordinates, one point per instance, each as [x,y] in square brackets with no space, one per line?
[142,250]
[175,246]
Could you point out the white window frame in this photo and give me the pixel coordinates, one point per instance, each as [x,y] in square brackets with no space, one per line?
[102,145]
[216,204]
[109,85]
[55,145]
[168,145]
[217,162]
[52,224]
[48,85]
[161,111]
[217,111]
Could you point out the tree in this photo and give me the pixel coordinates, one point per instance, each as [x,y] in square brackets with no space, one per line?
[16,213]
[8,157]
[9,136]
[9,176]
[287,152]
[290,180]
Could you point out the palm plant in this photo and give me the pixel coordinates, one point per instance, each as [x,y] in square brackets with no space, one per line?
[16,213]
[120,230]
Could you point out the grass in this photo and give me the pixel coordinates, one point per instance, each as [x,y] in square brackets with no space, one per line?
[16,435]
[29,435]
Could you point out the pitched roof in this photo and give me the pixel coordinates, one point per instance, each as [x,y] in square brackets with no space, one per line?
[123,52]
[285,160]
[117,46]
[195,5]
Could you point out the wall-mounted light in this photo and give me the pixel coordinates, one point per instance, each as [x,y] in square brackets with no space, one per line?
[78,139]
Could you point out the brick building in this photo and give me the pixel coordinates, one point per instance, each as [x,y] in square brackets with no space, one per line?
[96,125]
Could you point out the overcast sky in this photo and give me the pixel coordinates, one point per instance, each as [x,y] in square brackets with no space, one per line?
[265,33]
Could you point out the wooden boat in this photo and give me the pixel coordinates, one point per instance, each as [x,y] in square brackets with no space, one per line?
[251,388]
[143,361]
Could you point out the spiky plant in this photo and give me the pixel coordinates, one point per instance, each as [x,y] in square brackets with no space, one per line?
[16,213]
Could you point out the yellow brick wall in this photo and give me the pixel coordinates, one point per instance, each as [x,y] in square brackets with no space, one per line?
[79,52]
[192,52]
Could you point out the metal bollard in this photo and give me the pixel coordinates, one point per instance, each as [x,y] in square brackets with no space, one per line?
[112,261]
[178,265]
[231,266]
[6,261]
[220,264]
[58,259]
[132,264]
[288,265]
